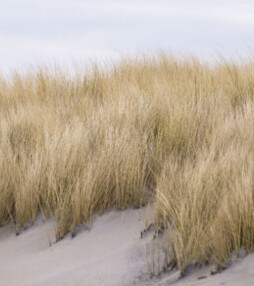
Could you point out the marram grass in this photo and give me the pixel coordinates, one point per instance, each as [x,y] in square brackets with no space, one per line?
[178,132]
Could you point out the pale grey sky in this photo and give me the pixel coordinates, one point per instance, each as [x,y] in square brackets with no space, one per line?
[42,31]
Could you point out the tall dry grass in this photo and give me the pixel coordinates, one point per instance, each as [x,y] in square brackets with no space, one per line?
[178,132]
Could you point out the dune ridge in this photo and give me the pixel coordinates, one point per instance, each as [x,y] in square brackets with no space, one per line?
[176,132]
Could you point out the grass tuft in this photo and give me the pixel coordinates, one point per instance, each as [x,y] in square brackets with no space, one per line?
[173,130]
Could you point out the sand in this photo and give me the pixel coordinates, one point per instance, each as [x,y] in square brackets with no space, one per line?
[110,253]
[107,254]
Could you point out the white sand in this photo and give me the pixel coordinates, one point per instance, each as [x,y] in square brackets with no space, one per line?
[241,273]
[110,254]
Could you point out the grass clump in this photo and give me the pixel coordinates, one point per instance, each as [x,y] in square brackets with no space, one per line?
[179,132]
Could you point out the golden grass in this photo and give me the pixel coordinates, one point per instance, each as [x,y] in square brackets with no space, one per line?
[176,131]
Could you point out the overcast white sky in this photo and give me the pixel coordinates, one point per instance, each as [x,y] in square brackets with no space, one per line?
[35,31]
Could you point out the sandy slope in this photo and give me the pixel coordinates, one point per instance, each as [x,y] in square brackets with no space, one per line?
[111,253]
[241,273]
[108,254]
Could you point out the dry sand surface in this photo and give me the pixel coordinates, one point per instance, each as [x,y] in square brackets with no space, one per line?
[111,253]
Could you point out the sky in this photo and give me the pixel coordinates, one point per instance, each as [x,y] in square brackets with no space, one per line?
[65,31]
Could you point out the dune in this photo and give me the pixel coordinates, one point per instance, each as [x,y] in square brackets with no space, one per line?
[110,252]
[240,273]
[175,132]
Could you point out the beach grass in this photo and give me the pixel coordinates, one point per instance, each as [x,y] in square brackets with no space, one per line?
[177,132]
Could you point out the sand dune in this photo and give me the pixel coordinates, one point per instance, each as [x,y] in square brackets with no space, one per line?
[108,254]
[111,253]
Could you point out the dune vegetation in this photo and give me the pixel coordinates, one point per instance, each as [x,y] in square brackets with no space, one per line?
[177,132]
